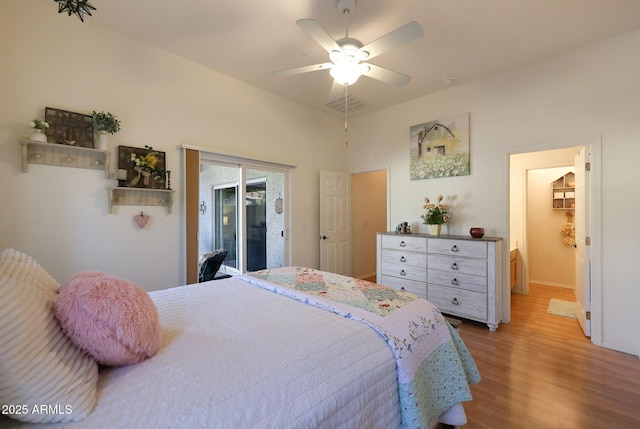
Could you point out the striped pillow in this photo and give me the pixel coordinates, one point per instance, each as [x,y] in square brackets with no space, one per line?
[43,376]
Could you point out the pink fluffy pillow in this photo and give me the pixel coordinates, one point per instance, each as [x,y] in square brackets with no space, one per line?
[113,320]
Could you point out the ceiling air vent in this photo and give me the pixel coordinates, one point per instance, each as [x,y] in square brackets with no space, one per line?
[352,103]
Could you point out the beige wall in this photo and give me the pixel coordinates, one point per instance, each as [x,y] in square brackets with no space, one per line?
[368,216]
[589,92]
[550,261]
[59,215]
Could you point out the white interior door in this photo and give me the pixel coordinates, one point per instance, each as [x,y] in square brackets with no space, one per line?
[581,223]
[335,222]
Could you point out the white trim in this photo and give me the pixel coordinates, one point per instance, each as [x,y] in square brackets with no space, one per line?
[594,143]
[558,285]
[220,156]
[207,156]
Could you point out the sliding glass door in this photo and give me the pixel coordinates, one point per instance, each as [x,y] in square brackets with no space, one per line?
[225,221]
[252,233]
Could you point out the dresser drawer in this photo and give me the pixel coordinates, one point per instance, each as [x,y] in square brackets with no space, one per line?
[466,248]
[404,242]
[453,264]
[457,280]
[458,302]
[404,271]
[419,288]
[403,258]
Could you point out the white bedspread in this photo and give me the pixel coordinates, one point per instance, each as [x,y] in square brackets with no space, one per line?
[236,356]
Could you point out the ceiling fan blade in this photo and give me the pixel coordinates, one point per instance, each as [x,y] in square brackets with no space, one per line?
[304,69]
[337,91]
[386,75]
[319,34]
[397,37]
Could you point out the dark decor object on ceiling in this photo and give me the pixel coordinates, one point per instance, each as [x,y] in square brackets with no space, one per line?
[70,128]
[78,7]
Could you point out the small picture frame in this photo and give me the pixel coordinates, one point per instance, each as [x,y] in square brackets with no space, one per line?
[141,175]
[69,128]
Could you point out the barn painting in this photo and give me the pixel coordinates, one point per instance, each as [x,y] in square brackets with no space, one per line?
[440,148]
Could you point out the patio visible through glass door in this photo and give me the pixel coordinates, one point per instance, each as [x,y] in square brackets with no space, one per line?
[253,233]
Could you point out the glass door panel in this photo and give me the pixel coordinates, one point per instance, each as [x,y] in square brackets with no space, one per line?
[218,221]
[256,225]
[265,219]
[225,223]
[253,233]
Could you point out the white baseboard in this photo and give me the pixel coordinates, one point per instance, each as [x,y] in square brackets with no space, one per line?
[543,283]
[366,276]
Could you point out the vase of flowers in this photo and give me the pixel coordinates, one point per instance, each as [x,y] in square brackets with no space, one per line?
[104,123]
[38,128]
[146,167]
[435,215]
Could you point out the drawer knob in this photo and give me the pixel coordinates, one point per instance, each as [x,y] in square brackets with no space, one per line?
[403,244]
[455,282]
[403,259]
[454,266]
[454,248]
[454,301]
[403,273]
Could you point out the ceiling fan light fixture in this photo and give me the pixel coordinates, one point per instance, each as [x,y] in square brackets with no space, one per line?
[347,72]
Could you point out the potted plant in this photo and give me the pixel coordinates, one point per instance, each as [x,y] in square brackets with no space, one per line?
[105,123]
[38,130]
[436,214]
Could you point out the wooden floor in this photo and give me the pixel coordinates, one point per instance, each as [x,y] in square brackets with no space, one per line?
[540,371]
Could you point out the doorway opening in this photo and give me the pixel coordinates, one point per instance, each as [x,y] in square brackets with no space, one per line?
[253,236]
[225,224]
[237,205]
[368,217]
[534,211]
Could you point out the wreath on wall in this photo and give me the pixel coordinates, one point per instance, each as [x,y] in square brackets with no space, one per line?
[568,232]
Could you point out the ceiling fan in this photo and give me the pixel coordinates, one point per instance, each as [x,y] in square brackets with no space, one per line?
[348,55]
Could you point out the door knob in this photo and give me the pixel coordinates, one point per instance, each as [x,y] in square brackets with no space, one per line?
[324,237]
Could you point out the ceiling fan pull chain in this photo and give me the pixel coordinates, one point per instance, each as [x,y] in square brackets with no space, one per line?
[346,117]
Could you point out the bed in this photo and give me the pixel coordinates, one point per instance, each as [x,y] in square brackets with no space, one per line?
[263,351]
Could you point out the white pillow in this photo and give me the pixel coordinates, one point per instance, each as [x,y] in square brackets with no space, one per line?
[44,378]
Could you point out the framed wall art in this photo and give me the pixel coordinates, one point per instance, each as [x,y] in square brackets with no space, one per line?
[141,167]
[70,128]
[440,148]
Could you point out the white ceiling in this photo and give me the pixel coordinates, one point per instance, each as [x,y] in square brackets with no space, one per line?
[464,39]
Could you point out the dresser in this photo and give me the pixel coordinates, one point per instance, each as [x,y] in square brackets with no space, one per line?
[460,275]
[402,262]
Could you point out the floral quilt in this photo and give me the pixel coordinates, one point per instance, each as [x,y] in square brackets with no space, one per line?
[434,366]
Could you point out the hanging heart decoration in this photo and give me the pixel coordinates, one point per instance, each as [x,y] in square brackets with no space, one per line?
[141,219]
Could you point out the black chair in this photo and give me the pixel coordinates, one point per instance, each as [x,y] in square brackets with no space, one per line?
[210,264]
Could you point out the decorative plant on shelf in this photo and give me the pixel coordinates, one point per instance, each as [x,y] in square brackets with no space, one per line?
[106,122]
[146,166]
[37,124]
[38,127]
[436,214]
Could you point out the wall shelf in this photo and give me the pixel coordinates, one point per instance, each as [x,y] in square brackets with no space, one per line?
[34,152]
[122,196]
[564,191]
